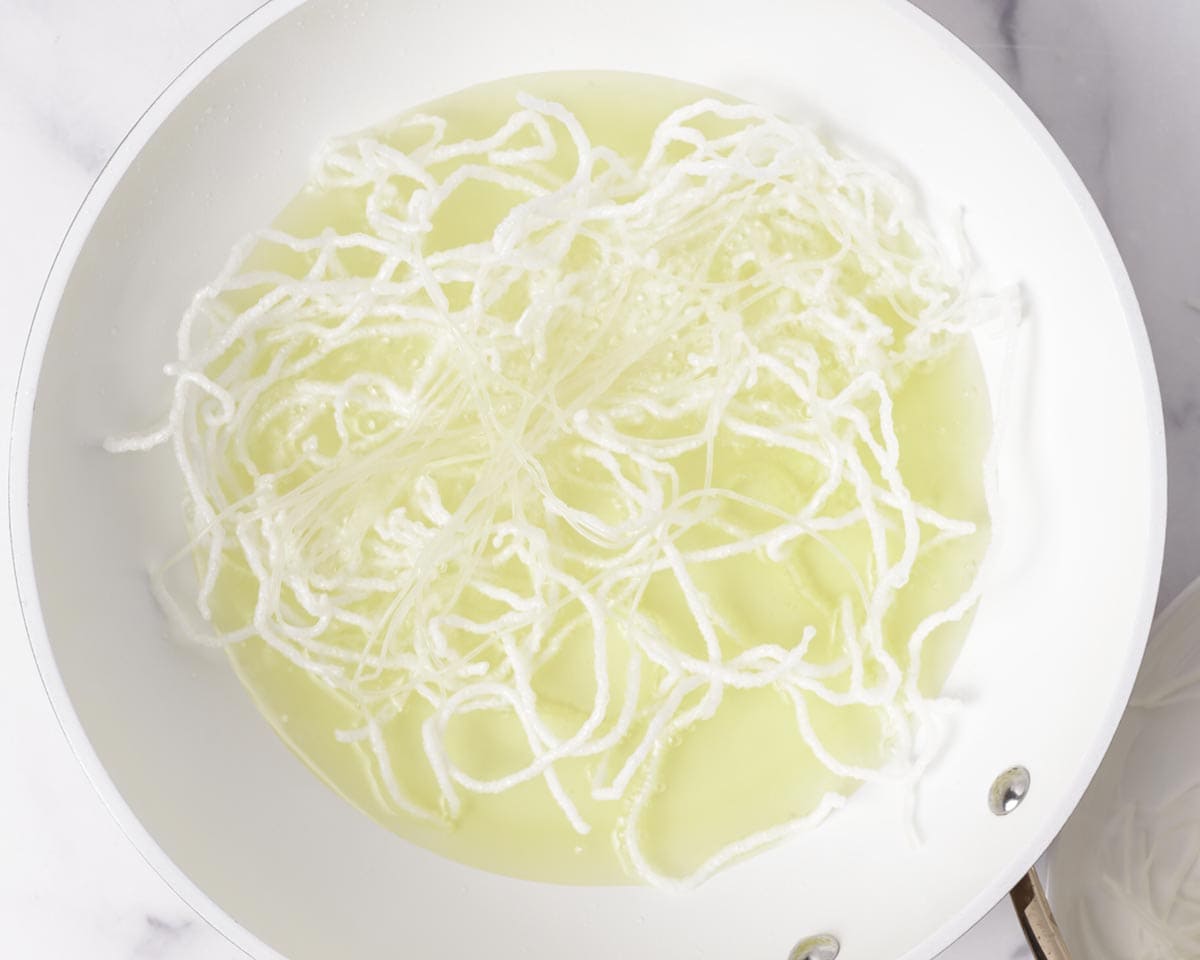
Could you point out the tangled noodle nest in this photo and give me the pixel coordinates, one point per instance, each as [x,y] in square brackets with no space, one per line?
[436,526]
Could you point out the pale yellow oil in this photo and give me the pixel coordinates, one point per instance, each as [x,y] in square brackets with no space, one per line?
[747,768]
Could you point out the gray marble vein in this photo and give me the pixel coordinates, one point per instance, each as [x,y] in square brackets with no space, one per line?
[161,937]
[53,104]
[1006,23]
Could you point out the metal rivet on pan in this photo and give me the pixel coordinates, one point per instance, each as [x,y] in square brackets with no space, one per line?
[1008,790]
[821,947]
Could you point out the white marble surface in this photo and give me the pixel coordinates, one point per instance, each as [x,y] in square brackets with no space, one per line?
[1116,81]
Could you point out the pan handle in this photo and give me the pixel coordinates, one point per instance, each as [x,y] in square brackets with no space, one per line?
[1037,920]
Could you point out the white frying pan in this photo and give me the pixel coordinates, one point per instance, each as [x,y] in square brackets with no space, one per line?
[283,867]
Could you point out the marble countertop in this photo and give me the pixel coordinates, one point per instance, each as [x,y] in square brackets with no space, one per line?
[1116,81]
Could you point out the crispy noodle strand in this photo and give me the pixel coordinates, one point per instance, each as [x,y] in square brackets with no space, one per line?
[410,536]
